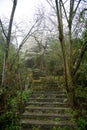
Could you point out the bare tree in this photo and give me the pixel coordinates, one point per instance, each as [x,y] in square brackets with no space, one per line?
[8,38]
[31,32]
[7,64]
[70,69]
[42,45]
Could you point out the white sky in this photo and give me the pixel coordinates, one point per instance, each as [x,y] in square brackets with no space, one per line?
[25,8]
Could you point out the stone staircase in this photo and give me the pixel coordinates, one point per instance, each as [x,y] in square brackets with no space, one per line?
[47,109]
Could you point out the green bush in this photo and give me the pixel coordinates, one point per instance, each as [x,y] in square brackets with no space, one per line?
[9,121]
[10,118]
[82,123]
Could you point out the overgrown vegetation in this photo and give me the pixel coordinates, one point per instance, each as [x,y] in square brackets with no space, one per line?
[10,116]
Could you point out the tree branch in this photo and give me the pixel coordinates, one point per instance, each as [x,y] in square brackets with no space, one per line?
[80,57]
[38,42]
[64,11]
[11,21]
[23,42]
[76,7]
[3,29]
[10,29]
[51,4]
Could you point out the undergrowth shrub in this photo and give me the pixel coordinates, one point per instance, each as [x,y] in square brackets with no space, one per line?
[82,123]
[10,117]
[9,121]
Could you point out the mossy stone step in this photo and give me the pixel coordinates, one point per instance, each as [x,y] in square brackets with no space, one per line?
[51,104]
[26,123]
[47,109]
[46,116]
[49,95]
[50,99]
[49,91]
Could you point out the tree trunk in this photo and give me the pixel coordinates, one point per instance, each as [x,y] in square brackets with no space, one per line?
[67,61]
[68,77]
[6,55]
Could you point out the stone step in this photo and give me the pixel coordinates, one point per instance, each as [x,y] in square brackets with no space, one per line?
[47,109]
[49,90]
[49,95]
[26,123]
[44,116]
[51,99]
[51,104]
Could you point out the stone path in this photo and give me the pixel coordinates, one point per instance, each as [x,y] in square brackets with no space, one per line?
[47,109]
